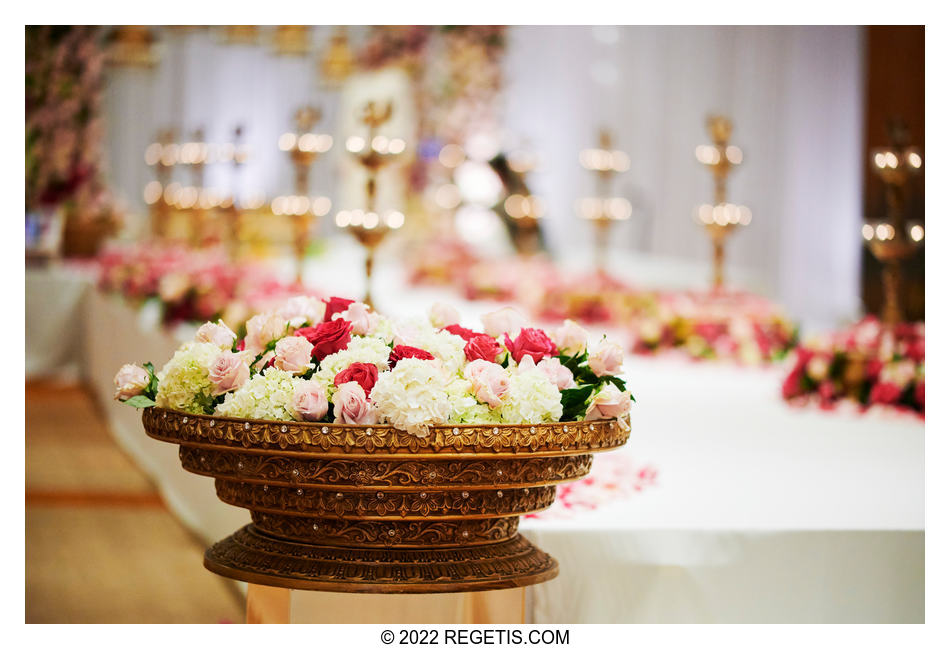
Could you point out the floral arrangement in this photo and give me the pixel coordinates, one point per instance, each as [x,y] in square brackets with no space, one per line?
[338,361]
[64,81]
[190,285]
[718,324]
[870,363]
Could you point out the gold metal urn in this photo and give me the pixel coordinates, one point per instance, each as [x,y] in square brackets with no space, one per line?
[374,509]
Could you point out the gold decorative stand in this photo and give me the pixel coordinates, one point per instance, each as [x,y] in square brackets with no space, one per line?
[604,210]
[304,147]
[372,509]
[893,240]
[721,218]
[373,152]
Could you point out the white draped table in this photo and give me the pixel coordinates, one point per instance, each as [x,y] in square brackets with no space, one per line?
[758,512]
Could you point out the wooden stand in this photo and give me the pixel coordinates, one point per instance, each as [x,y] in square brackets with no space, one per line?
[269,605]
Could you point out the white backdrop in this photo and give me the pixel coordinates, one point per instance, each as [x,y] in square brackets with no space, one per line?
[795,94]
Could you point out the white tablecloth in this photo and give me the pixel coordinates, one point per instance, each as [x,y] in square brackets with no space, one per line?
[54,298]
[759,512]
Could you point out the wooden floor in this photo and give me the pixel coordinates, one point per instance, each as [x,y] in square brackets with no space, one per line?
[100,545]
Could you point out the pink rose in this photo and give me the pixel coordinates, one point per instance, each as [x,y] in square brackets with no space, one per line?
[609,403]
[359,315]
[570,338]
[607,359]
[218,334]
[442,315]
[350,405]
[130,381]
[309,402]
[489,381]
[262,330]
[228,372]
[559,375]
[531,342]
[292,354]
[497,323]
[302,309]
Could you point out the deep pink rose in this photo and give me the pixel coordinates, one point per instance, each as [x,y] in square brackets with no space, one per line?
[229,372]
[350,405]
[400,352]
[327,337]
[461,331]
[335,305]
[482,346]
[884,393]
[363,373]
[533,342]
[919,394]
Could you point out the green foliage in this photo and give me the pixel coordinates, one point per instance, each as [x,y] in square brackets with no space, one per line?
[574,402]
[140,401]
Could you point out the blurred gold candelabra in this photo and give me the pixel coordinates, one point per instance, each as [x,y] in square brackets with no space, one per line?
[304,148]
[604,210]
[373,152]
[720,219]
[894,239]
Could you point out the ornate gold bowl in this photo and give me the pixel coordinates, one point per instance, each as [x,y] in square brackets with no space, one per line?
[374,509]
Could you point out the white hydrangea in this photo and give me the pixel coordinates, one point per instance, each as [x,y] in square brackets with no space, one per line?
[412,396]
[264,396]
[531,399]
[183,383]
[445,346]
[384,329]
[362,349]
[466,409]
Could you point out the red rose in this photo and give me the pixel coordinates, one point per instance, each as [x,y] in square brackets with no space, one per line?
[327,337]
[363,373]
[826,390]
[461,331]
[400,352]
[532,342]
[335,305]
[792,386]
[919,394]
[482,346]
[240,345]
[873,369]
[885,393]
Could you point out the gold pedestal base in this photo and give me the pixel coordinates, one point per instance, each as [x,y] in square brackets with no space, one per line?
[256,557]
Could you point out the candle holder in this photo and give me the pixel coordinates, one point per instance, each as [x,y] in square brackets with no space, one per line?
[604,210]
[373,153]
[304,147]
[895,238]
[721,218]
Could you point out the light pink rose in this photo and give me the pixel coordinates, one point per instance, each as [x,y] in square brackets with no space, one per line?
[309,402]
[442,315]
[263,329]
[560,376]
[817,367]
[503,321]
[609,403]
[302,309]
[489,381]
[350,405]
[130,381]
[606,359]
[358,314]
[570,338]
[228,372]
[218,334]
[292,354]
[900,373]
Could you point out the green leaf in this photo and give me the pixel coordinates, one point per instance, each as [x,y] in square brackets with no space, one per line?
[140,401]
[573,401]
